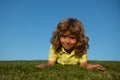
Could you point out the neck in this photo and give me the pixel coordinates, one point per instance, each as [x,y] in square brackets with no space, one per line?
[69,51]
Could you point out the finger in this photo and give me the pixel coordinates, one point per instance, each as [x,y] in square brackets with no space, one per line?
[40,65]
[100,68]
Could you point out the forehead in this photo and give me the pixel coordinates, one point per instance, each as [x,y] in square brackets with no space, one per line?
[67,33]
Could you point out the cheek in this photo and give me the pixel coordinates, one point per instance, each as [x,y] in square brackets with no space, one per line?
[74,41]
[61,40]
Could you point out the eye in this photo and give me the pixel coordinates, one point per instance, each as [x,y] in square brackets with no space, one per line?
[63,36]
[72,37]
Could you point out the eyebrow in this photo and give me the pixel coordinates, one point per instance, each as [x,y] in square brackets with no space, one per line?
[71,35]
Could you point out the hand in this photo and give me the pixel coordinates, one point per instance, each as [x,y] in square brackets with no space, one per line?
[93,66]
[50,63]
[42,65]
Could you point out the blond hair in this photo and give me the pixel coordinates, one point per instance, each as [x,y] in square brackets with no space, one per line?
[77,29]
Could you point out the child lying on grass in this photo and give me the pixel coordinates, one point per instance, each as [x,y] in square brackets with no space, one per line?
[69,45]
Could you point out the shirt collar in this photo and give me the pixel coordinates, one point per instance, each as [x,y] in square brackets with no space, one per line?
[63,51]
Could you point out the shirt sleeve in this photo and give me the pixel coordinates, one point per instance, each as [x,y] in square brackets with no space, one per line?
[83,59]
[52,55]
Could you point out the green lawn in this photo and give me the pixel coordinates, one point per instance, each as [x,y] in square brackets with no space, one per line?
[26,70]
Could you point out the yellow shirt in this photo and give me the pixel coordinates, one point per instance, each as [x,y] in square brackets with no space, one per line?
[65,58]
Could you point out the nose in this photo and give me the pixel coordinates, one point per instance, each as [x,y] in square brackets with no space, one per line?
[67,40]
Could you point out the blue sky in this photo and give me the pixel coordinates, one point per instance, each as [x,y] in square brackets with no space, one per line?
[26,27]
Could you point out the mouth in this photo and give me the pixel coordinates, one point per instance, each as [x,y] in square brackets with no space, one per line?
[67,45]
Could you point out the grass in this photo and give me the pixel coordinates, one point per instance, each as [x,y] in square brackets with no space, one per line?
[26,70]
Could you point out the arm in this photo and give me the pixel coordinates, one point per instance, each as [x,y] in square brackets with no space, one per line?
[51,59]
[92,66]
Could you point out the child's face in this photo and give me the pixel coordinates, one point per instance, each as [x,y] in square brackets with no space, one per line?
[68,41]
